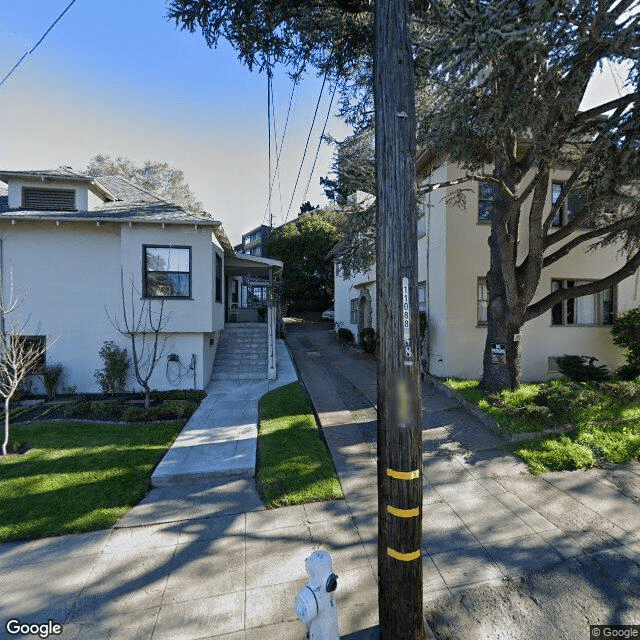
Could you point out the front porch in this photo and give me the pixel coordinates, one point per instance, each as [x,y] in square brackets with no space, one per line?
[250,293]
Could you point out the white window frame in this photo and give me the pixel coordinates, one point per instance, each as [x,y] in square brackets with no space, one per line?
[482,301]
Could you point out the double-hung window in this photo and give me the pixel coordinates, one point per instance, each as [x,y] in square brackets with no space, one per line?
[167,272]
[482,300]
[593,309]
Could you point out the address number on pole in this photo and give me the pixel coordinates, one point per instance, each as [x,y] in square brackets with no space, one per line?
[406,320]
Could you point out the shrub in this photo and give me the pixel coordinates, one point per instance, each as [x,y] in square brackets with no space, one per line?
[368,339]
[105,410]
[51,377]
[345,335]
[563,398]
[180,408]
[626,334]
[582,369]
[194,395]
[531,413]
[112,378]
[621,391]
[76,410]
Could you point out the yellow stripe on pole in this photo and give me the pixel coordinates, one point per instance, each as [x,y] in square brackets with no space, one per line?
[404,557]
[403,513]
[404,475]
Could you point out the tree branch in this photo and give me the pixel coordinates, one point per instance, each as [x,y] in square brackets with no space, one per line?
[590,114]
[615,227]
[539,307]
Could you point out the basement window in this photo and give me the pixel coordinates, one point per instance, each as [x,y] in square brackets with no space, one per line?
[37,199]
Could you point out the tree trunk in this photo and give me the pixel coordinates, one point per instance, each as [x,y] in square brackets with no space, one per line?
[399,411]
[501,365]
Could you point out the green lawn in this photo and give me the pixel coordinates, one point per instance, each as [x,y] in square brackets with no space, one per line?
[294,465]
[600,420]
[76,476]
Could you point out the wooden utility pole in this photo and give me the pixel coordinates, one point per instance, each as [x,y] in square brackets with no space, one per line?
[399,411]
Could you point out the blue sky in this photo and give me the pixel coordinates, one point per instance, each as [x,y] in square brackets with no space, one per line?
[116,77]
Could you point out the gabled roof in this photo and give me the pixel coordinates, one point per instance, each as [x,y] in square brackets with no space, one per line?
[123,201]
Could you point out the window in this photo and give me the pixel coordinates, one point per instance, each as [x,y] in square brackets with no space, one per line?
[482,299]
[486,200]
[167,272]
[234,291]
[594,309]
[422,227]
[573,205]
[48,199]
[354,311]
[35,342]
[257,296]
[218,278]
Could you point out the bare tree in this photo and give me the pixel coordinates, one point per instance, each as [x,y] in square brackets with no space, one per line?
[18,357]
[142,326]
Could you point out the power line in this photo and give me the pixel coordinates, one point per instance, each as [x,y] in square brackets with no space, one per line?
[324,128]
[276,171]
[35,46]
[306,146]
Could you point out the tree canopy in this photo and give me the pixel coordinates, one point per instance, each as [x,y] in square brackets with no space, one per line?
[158,177]
[506,80]
[304,246]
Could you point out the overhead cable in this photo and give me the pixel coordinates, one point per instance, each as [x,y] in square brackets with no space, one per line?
[35,46]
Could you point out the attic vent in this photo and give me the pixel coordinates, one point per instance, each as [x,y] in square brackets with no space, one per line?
[48,199]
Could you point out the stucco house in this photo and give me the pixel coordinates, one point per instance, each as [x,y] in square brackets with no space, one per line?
[453,259]
[67,243]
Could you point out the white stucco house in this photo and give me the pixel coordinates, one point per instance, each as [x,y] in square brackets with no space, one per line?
[67,241]
[453,260]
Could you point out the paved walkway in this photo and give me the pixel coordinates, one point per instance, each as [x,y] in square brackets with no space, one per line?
[205,559]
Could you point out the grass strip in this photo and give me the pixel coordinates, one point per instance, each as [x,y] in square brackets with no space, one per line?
[294,465]
[601,421]
[76,477]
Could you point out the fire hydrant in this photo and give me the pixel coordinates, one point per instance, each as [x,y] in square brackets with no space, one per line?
[316,602]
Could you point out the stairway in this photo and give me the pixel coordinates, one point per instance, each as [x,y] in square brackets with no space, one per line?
[242,352]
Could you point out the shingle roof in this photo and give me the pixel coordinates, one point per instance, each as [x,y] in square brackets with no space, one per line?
[133,204]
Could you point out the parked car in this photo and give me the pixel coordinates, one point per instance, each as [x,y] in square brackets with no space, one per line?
[329,314]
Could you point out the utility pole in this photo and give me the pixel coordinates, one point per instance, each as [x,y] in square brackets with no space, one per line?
[399,409]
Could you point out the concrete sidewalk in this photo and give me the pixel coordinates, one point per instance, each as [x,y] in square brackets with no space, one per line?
[204,559]
[219,441]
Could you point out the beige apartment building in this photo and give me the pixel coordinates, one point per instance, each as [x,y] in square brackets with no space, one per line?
[453,259]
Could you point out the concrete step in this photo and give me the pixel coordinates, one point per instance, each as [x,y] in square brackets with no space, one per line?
[241,352]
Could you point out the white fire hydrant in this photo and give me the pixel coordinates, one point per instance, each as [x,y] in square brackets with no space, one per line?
[316,602]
